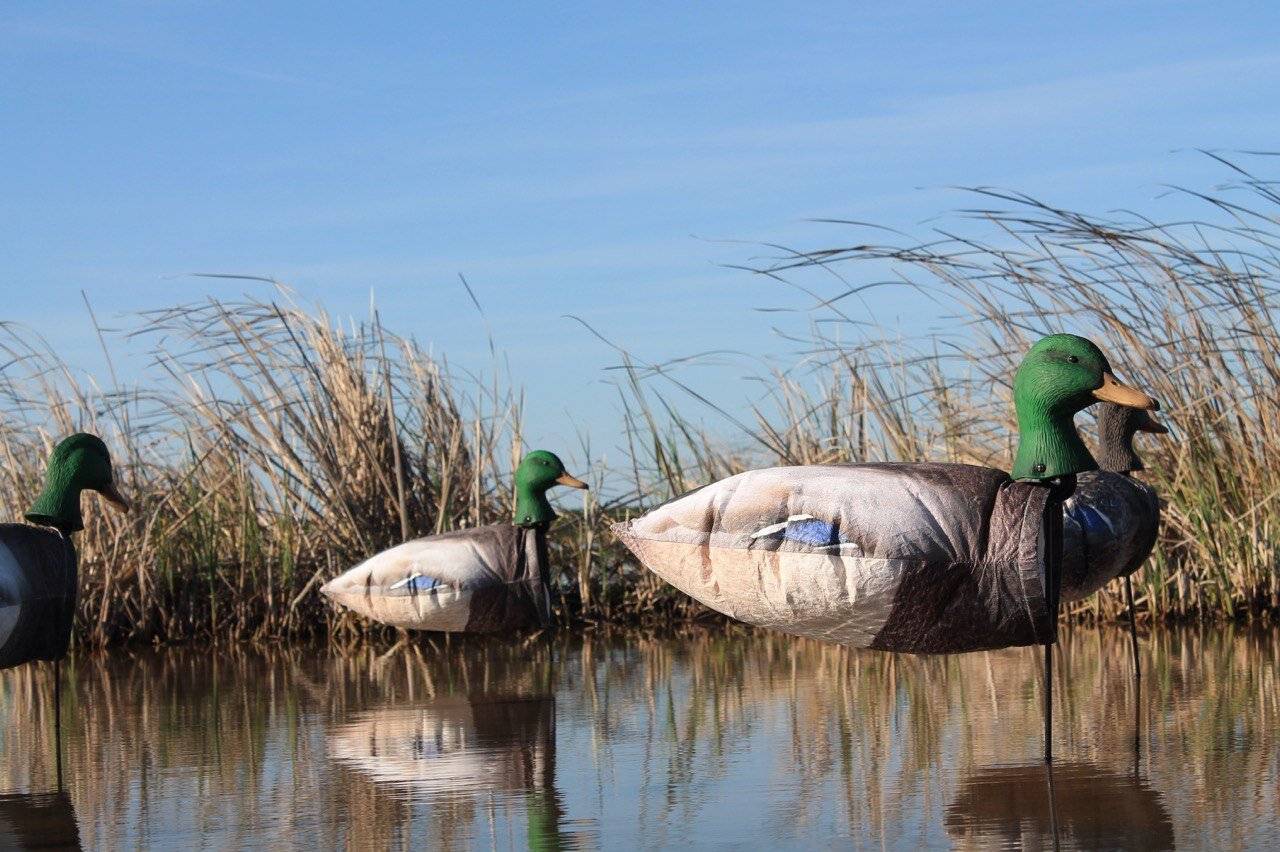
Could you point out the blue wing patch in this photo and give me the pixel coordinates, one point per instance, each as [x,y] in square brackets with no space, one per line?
[812,532]
[1093,521]
[416,583]
[803,529]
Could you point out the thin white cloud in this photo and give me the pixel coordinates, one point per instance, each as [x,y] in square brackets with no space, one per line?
[151,46]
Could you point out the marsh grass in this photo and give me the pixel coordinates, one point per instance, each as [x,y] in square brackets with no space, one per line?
[274,446]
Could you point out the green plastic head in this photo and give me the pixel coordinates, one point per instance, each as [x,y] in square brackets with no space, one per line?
[79,463]
[539,471]
[1061,375]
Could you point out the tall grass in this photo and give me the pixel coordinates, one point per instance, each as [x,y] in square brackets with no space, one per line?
[273,446]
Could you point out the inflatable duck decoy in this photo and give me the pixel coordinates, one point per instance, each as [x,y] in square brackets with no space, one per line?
[480,580]
[924,558]
[38,578]
[1112,519]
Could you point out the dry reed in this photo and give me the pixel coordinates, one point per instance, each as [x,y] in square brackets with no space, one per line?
[274,447]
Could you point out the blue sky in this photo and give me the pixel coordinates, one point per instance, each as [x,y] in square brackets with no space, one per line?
[595,159]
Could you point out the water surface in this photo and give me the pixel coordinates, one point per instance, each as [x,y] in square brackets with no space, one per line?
[712,739]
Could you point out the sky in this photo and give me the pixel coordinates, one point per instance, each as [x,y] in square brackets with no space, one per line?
[608,161]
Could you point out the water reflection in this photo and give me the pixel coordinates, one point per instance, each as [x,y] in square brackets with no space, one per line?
[1074,805]
[459,747]
[38,821]
[704,739]
[453,745]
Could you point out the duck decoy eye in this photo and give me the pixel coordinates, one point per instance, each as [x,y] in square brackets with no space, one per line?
[1074,359]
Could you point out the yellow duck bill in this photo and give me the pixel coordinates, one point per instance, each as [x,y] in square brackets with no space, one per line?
[571,481]
[1114,390]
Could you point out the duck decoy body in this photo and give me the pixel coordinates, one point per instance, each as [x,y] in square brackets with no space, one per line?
[38,576]
[481,580]
[926,558]
[1111,522]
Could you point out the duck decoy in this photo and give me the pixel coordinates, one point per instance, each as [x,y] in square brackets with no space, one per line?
[1112,520]
[38,576]
[480,580]
[37,561]
[923,558]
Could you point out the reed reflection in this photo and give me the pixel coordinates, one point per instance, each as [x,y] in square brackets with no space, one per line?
[717,737]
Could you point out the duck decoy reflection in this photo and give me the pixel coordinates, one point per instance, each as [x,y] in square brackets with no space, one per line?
[458,745]
[1075,804]
[453,744]
[38,821]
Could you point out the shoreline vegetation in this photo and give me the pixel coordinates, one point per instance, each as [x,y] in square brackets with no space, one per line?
[272,447]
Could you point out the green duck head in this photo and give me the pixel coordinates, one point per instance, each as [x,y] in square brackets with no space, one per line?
[538,472]
[79,463]
[1061,375]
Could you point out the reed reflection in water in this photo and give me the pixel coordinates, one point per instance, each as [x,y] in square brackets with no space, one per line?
[625,740]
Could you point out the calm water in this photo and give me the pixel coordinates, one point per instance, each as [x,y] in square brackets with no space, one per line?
[711,740]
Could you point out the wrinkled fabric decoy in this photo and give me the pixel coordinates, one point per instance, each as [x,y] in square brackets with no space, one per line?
[482,580]
[925,558]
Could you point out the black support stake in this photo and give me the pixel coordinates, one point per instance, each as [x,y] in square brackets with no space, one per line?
[1053,807]
[57,720]
[1062,488]
[1048,702]
[1133,628]
[1137,677]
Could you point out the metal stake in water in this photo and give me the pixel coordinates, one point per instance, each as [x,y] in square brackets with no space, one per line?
[57,721]
[1062,488]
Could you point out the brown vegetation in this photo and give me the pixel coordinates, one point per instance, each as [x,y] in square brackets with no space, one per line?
[275,447]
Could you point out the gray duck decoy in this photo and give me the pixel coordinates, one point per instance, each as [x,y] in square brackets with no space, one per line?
[38,577]
[1111,522]
[481,580]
